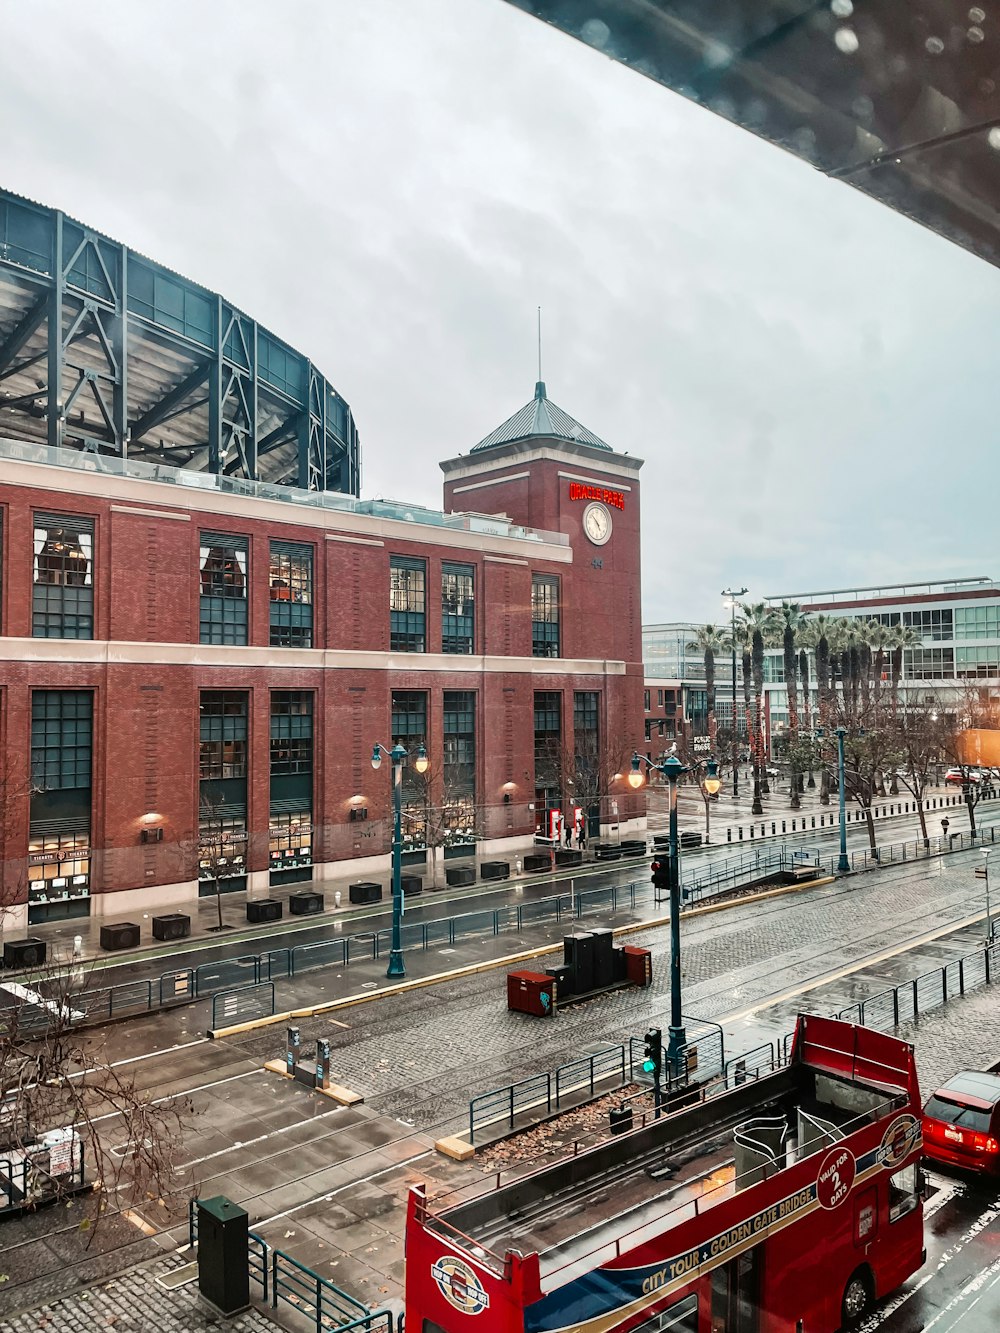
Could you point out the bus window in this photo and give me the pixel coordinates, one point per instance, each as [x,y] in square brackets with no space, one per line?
[681,1317]
[903,1195]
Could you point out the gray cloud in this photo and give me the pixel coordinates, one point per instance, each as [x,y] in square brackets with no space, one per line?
[394,185]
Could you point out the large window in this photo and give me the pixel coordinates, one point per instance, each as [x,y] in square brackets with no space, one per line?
[929,663]
[223,788]
[981,660]
[407,605]
[291,732]
[409,729]
[291,587]
[548,751]
[977,622]
[290,841]
[457,614]
[61,738]
[459,761]
[59,809]
[223,583]
[930,623]
[544,616]
[62,604]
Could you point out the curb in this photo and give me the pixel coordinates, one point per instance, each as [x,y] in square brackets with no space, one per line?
[472,969]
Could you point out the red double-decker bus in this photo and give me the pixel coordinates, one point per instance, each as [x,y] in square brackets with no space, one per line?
[788,1204]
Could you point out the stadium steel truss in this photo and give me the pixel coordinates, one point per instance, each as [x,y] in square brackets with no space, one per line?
[104,351]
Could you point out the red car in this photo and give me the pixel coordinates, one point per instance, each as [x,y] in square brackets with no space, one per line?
[960,775]
[962,1122]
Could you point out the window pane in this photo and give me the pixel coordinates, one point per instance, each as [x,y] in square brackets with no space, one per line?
[223,584]
[291,593]
[457,614]
[63,576]
[544,616]
[407,604]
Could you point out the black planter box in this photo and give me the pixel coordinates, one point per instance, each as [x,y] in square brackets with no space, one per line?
[264,909]
[411,884]
[173,926]
[23,953]
[120,935]
[494,870]
[567,856]
[633,847]
[535,862]
[607,852]
[459,876]
[365,891]
[305,904]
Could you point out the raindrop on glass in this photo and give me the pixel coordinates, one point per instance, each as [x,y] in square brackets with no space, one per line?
[595,32]
[846,40]
[843,9]
[934,46]
[977,15]
[976,35]
[993,138]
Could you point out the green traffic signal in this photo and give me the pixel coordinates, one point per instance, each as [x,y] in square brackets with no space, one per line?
[648,1066]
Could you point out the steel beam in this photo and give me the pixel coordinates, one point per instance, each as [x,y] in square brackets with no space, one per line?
[30,322]
[165,408]
[56,338]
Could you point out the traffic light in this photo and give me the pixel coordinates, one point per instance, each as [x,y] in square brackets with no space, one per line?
[653,1054]
[660,874]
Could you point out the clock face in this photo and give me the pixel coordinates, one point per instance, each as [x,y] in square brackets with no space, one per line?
[597,523]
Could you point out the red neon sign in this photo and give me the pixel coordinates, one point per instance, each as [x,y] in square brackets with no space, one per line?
[577,491]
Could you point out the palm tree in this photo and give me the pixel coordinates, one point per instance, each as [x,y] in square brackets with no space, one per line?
[901,637]
[709,639]
[741,637]
[759,619]
[826,631]
[790,621]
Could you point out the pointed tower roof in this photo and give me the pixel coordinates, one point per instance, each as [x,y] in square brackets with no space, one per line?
[541,419]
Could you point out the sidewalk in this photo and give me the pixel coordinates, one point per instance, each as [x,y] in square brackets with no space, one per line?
[136,1302]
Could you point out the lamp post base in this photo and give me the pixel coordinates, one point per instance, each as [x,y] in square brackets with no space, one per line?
[396,967]
[676,1041]
[843,864]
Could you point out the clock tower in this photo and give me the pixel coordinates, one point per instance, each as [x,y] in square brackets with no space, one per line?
[545,470]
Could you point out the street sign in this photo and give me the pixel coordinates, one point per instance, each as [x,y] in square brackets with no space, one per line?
[981,872]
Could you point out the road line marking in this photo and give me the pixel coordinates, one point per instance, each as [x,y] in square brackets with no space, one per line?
[184,1092]
[871,961]
[325,1198]
[261,1138]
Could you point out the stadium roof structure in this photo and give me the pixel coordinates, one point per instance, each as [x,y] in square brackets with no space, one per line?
[899,98]
[104,351]
[540,419]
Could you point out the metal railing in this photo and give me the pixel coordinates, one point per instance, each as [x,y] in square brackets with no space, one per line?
[187,984]
[235,1006]
[282,1279]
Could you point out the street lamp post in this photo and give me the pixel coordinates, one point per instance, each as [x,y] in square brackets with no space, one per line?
[732,594]
[710,785]
[843,862]
[986,875]
[673,770]
[397,757]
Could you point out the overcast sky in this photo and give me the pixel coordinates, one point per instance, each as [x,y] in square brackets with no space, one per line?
[393,186]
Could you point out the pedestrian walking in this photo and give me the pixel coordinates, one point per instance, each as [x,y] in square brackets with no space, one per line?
[581,838]
[569,835]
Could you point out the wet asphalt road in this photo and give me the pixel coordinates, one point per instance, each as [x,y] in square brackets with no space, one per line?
[958,1289]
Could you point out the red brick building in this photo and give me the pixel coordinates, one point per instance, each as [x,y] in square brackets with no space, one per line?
[195,669]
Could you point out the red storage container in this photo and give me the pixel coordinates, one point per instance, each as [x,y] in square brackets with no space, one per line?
[531,993]
[638,965]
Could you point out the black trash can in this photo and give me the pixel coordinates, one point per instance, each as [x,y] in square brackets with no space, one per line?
[494,870]
[223,1268]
